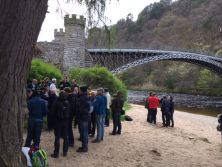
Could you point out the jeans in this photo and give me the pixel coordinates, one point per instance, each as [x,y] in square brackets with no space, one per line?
[168,119]
[117,123]
[107,117]
[92,124]
[61,130]
[83,129]
[70,132]
[100,121]
[34,132]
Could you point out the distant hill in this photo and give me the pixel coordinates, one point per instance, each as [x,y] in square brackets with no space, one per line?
[184,25]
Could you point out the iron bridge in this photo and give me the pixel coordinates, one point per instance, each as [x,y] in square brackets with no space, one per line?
[119,60]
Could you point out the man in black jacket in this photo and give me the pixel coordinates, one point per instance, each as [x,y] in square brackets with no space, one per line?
[83,117]
[60,113]
[162,102]
[72,98]
[51,99]
[65,83]
[116,107]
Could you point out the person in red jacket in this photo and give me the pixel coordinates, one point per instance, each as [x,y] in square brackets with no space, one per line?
[147,107]
[153,104]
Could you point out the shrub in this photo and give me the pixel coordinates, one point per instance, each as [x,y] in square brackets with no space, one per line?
[96,77]
[40,69]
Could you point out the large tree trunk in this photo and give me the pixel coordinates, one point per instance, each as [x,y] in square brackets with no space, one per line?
[20,24]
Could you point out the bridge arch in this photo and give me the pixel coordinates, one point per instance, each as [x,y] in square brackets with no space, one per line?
[208,65]
[119,60]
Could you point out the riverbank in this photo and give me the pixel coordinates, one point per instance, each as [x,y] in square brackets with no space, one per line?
[214,92]
[205,105]
[193,142]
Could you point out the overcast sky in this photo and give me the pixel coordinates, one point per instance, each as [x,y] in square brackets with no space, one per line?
[114,11]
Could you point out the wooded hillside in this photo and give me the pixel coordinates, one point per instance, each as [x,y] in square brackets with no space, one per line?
[183,25]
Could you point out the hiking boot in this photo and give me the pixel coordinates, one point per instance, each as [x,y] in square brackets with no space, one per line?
[54,156]
[118,133]
[81,150]
[95,141]
[112,133]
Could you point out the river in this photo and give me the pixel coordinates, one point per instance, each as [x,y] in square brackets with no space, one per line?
[197,104]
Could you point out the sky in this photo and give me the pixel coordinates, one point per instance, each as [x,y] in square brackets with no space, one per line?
[115,11]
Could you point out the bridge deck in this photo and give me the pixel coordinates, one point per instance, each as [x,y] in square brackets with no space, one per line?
[119,60]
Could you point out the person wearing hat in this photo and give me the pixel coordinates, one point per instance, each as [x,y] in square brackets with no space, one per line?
[37,110]
[116,107]
[83,117]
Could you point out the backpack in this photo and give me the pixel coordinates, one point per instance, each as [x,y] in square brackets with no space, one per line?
[32,149]
[128,118]
[39,158]
[63,111]
[72,99]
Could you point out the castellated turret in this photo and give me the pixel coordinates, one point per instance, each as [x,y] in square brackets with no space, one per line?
[74,42]
[59,36]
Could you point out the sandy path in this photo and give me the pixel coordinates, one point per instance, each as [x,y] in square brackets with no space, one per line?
[193,142]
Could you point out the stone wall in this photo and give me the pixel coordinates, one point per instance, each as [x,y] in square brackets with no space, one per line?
[52,52]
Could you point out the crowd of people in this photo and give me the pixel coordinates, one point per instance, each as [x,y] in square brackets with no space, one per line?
[68,105]
[167,109]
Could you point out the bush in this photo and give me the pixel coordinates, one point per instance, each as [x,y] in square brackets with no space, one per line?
[209,83]
[96,77]
[40,69]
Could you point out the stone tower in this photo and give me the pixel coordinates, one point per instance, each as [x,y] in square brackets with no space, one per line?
[74,42]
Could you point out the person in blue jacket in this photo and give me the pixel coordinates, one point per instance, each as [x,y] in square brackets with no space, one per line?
[37,110]
[100,111]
